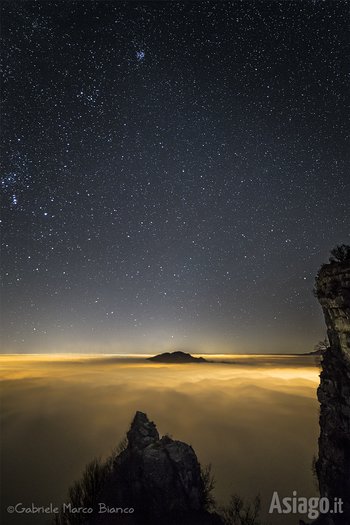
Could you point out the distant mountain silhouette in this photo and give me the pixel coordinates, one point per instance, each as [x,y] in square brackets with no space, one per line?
[177,357]
[320,351]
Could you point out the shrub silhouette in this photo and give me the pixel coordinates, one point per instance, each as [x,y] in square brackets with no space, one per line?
[241,512]
[340,253]
[322,345]
[84,492]
[209,485]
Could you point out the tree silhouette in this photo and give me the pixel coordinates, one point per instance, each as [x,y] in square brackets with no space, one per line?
[340,253]
[322,345]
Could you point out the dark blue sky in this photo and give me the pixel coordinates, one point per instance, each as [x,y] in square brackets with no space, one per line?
[174,173]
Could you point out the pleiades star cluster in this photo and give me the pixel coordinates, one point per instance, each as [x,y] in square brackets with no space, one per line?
[173,173]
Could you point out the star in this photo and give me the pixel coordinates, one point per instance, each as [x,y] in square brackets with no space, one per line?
[140,56]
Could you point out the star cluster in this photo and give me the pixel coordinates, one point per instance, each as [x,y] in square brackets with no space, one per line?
[174,173]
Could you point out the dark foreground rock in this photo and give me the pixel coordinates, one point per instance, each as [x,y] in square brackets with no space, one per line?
[333,465]
[158,477]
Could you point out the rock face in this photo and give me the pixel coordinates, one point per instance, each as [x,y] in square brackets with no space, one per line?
[333,465]
[159,477]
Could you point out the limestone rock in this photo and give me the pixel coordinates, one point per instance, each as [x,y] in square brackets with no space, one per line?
[333,465]
[159,477]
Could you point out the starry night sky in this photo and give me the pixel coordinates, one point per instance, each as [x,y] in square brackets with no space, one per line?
[174,173]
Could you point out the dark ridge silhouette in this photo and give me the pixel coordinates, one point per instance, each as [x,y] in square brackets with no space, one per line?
[177,357]
[319,351]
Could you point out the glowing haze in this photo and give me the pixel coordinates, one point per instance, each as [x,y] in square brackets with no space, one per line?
[256,421]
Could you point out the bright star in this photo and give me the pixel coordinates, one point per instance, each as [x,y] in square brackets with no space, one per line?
[140,56]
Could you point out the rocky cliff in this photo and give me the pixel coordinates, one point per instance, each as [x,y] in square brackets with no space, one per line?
[159,477]
[333,465]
